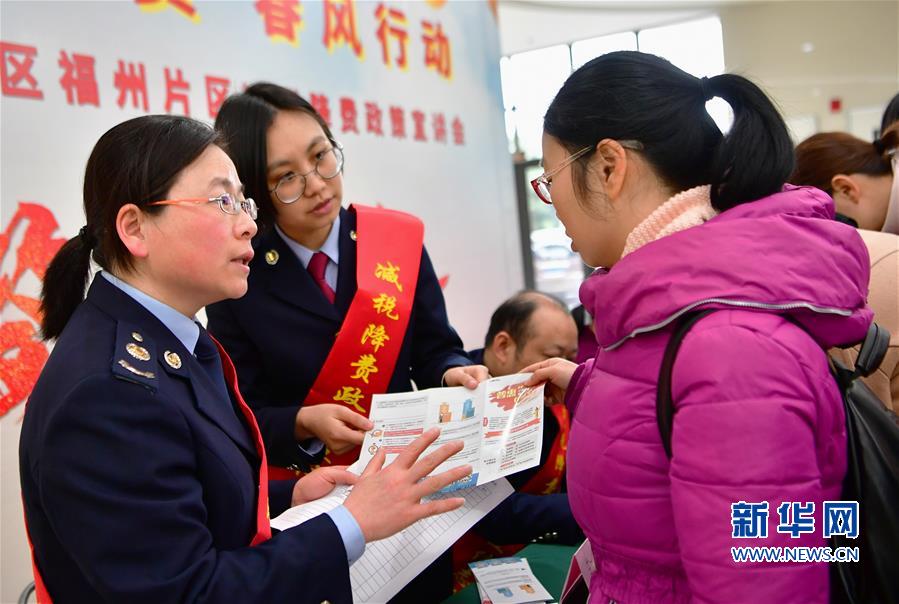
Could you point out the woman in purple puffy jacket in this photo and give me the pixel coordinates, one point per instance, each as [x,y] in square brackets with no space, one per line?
[682,217]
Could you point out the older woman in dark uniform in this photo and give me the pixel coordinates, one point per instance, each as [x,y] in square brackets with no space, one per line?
[143,472]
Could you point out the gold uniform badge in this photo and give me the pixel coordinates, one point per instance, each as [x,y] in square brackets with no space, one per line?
[138,352]
[172,359]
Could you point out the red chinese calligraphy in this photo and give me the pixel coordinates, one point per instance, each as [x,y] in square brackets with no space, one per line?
[397,122]
[319,102]
[176,91]
[458,132]
[36,225]
[340,26]
[373,115]
[15,71]
[185,7]
[348,115]
[282,18]
[216,93]
[78,80]
[439,124]
[133,82]
[418,122]
[437,49]
[21,371]
[511,395]
[392,25]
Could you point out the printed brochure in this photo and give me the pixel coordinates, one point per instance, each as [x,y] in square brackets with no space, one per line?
[500,422]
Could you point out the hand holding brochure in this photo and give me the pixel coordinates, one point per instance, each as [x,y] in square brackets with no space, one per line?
[501,423]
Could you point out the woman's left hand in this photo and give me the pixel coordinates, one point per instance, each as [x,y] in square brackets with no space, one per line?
[469,376]
[338,426]
[319,483]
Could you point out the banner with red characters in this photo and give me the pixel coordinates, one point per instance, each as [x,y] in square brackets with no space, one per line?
[410,88]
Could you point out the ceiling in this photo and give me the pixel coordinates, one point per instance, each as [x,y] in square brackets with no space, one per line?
[531,24]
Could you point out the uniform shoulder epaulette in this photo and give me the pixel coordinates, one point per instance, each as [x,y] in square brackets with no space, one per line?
[134,357]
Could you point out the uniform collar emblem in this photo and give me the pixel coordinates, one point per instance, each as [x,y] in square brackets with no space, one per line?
[172,359]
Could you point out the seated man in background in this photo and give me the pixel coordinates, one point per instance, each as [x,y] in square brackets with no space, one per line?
[527,328]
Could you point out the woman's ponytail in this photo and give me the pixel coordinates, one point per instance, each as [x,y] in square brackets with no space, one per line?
[64,283]
[629,95]
[755,157]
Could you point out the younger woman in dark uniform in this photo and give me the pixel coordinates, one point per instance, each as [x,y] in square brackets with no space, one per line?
[342,303]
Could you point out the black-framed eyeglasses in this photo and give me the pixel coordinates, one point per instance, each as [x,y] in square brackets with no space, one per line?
[226,203]
[328,164]
[543,183]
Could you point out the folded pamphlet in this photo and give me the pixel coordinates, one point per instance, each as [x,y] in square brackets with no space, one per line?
[500,422]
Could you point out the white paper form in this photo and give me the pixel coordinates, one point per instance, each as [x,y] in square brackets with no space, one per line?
[500,422]
[509,581]
[307,511]
[389,564]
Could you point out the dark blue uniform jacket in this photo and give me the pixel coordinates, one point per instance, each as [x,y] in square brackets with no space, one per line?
[140,484]
[280,333]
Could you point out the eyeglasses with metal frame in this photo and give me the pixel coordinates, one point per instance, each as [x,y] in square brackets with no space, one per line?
[543,183]
[226,203]
[328,164]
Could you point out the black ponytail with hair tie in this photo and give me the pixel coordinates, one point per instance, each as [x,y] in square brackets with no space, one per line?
[87,238]
[647,99]
[705,86]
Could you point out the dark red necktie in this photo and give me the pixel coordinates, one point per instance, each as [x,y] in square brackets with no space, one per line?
[316,268]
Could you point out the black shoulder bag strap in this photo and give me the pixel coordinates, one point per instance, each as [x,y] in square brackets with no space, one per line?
[664,404]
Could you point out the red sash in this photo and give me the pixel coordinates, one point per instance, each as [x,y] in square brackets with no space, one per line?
[549,479]
[263,529]
[546,481]
[364,354]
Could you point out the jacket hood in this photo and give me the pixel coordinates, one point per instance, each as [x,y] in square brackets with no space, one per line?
[783,254]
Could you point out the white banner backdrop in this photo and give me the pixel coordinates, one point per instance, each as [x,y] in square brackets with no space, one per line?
[411,89]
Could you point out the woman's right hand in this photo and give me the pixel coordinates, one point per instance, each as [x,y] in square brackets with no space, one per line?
[556,372]
[386,500]
[339,427]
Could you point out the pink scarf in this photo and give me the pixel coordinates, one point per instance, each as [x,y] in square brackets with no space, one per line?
[686,209]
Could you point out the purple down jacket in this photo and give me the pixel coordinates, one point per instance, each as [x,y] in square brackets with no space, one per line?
[758,417]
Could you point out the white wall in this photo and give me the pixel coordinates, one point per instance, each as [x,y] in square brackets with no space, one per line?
[527,25]
[854,56]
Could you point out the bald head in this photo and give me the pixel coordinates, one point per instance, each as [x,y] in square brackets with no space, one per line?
[528,328]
